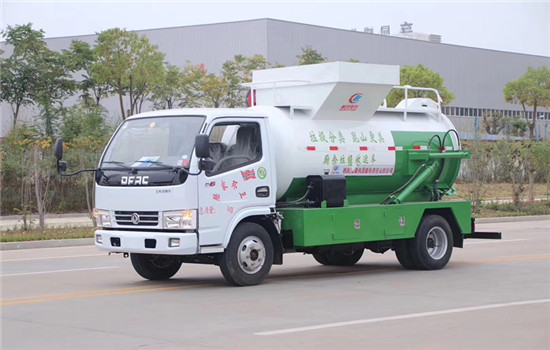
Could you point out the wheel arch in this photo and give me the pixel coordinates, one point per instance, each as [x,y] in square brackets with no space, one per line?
[267,224]
[449,216]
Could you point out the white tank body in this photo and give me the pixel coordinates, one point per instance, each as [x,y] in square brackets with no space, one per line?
[326,119]
[303,146]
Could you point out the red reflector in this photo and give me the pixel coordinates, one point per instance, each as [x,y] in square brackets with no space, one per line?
[362,148]
[391,148]
[251,98]
[416,147]
[311,148]
[334,148]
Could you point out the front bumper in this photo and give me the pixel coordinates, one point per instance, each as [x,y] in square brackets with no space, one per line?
[146,242]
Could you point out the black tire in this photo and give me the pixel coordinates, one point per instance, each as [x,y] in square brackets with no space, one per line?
[248,256]
[336,258]
[155,267]
[432,246]
[403,254]
[321,258]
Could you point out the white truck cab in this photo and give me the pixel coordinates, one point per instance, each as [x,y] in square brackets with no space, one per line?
[158,196]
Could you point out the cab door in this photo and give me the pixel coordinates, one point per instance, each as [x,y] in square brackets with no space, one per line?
[240,180]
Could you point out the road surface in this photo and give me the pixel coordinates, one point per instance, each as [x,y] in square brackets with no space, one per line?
[492,295]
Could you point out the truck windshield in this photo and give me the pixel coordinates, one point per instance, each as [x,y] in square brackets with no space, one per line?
[157,142]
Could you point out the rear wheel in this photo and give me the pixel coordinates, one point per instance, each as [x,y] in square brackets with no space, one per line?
[403,254]
[336,258]
[248,257]
[155,267]
[432,246]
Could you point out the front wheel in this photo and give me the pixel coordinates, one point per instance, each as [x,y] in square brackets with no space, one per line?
[248,257]
[155,267]
[432,246]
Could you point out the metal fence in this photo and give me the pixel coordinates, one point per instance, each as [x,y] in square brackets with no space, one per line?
[471,127]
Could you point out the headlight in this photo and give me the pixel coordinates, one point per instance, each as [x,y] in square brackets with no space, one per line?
[103,218]
[179,220]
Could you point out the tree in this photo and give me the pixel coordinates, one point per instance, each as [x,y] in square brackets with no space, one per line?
[194,79]
[494,123]
[214,91]
[531,89]
[167,94]
[34,75]
[310,56]
[477,172]
[20,72]
[420,76]
[239,71]
[180,87]
[129,64]
[537,162]
[81,57]
[518,126]
[53,87]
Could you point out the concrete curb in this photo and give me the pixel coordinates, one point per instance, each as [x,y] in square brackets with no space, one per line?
[54,243]
[90,241]
[512,218]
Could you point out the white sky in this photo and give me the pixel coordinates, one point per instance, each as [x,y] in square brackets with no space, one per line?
[517,26]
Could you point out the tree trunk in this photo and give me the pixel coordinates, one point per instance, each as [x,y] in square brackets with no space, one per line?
[15,114]
[89,199]
[531,186]
[526,117]
[38,188]
[132,102]
[533,123]
[141,104]
[121,101]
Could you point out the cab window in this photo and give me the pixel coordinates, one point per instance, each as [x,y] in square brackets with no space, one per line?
[233,145]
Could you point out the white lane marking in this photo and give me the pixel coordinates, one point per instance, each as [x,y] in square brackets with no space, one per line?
[54,257]
[400,317]
[498,241]
[56,271]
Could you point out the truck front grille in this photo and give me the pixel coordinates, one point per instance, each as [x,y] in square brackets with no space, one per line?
[137,218]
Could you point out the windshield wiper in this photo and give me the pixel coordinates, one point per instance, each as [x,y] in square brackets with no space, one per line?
[120,164]
[157,163]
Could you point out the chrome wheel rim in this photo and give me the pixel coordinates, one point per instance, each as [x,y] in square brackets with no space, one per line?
[436,243]
[251,256]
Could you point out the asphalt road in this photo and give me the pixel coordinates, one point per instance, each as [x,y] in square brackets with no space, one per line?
[492,295]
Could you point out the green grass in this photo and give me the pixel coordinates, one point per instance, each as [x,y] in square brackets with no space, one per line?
[19,235]
[510,209]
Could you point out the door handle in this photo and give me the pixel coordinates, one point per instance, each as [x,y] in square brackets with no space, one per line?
[262,191]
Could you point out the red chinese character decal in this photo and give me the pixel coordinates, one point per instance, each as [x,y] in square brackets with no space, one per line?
[211,210]
[224,186]
[230,210]
[234,185]
[216,197]
[248,174]
[242,195]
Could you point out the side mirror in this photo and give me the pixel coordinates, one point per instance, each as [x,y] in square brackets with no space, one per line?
[61,167]
[58,153]
[58,149]
[202,146]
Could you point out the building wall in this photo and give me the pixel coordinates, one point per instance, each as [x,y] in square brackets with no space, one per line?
[476,76]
